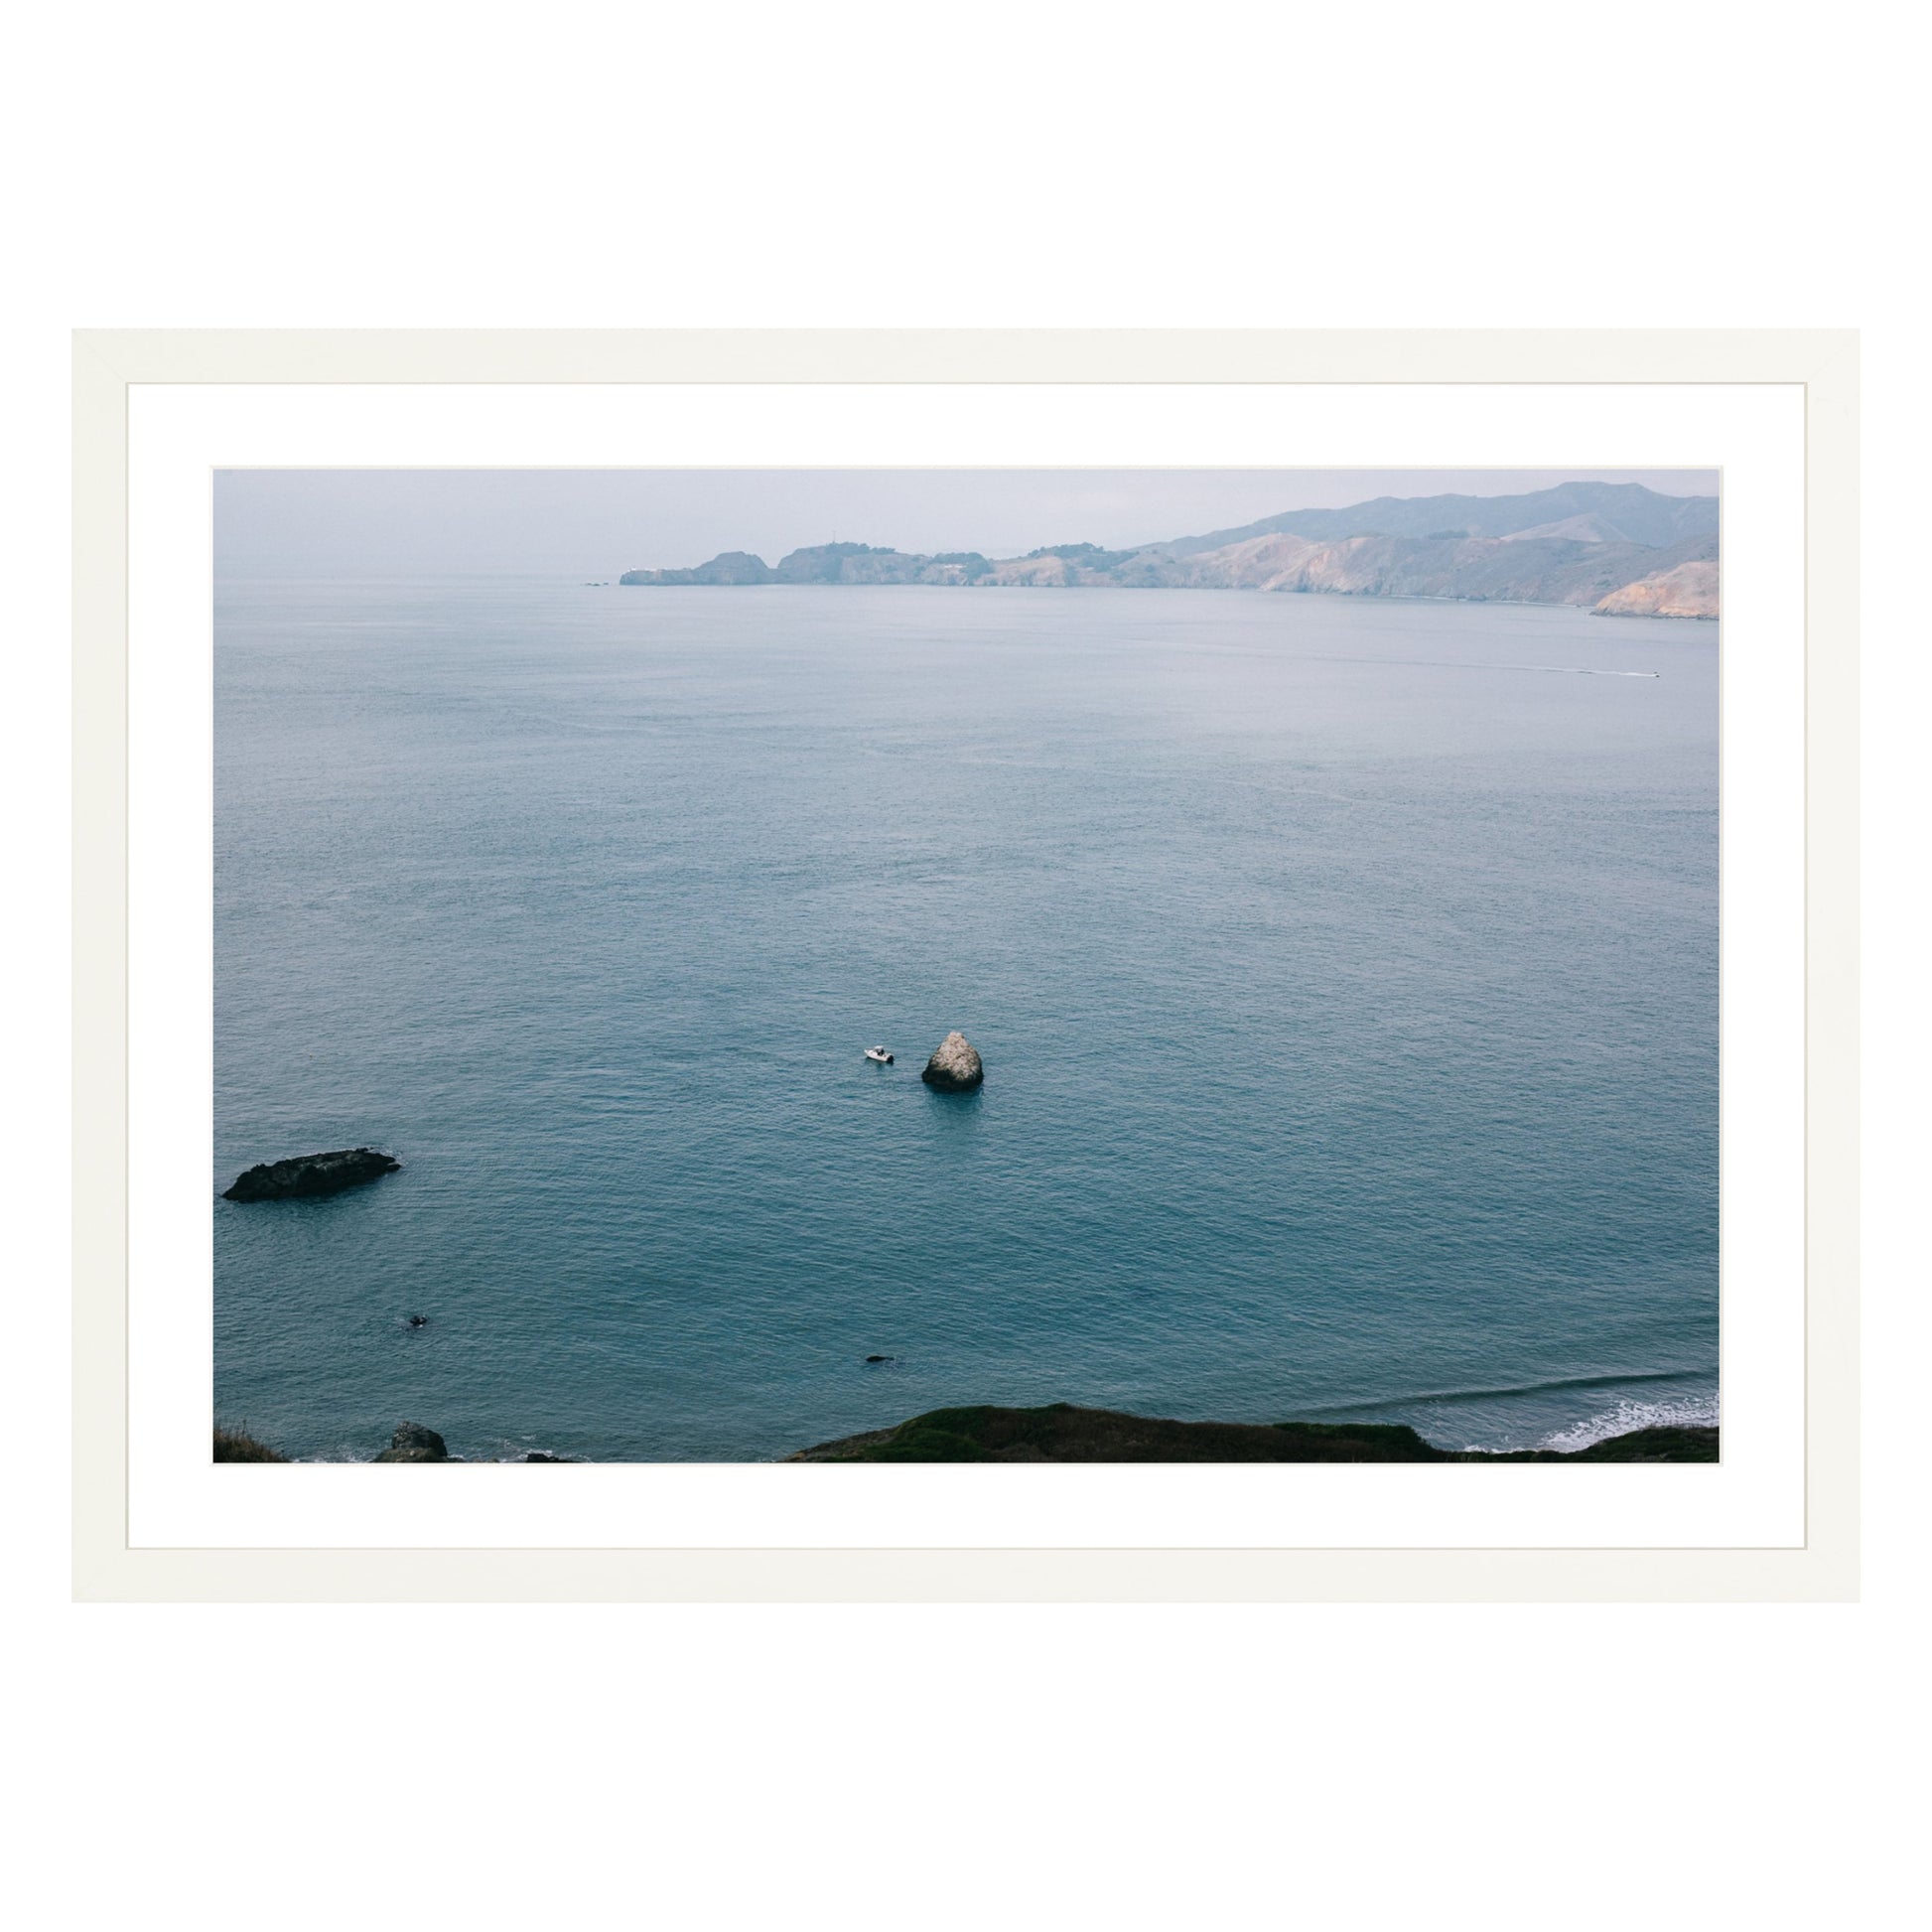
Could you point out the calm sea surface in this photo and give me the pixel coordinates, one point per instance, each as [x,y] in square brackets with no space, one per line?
[1345,973]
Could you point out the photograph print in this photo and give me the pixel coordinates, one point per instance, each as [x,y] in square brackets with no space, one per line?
[966,965]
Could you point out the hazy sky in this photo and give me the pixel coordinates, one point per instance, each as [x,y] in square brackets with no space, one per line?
[596,523]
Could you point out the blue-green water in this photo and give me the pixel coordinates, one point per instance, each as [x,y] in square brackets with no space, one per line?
[1345,973]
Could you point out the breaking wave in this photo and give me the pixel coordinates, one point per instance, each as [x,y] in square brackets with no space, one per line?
[1671,1412]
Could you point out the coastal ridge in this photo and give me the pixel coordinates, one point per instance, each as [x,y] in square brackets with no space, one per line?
[1617,549]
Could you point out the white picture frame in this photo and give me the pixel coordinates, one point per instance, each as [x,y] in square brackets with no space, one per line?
[112,1562]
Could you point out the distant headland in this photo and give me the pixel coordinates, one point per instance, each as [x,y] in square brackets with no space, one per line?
[1617,549]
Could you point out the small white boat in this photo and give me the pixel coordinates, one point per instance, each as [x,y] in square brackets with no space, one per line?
[880,1054]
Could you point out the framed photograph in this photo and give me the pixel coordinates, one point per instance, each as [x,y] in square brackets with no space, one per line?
[983,965]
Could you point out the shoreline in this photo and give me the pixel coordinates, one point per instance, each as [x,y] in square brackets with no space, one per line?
[1190,590]
[1062,1432]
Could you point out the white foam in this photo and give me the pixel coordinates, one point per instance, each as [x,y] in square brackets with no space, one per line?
[1672,1412]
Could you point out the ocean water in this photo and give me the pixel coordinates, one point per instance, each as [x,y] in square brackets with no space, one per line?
[1345,973]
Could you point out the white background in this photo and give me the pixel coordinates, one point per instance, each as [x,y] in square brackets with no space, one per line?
[1754,434]
[1368,1767]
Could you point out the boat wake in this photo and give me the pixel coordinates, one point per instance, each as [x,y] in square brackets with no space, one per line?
[1577,670]
[1465,664]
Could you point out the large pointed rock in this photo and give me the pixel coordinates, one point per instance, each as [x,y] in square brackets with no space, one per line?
[955,1067]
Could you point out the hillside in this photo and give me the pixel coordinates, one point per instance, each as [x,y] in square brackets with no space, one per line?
[1579,543]
[1061,1432]
[1688,591]
[1515,569]
[1620,513]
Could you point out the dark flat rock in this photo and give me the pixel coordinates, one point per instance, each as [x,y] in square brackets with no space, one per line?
[308,1174]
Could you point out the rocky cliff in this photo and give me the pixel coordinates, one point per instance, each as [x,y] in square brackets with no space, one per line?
[1690,589]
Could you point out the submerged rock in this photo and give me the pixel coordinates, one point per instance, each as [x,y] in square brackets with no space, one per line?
[412,1442]
[308,1174]
[955,1067]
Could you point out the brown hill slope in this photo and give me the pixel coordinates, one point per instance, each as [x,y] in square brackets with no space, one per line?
[1690,589]
[1530,570]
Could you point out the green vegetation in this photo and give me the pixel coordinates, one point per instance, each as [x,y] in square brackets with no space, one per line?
[1061,1432]
[234,1446]
[1089,556]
